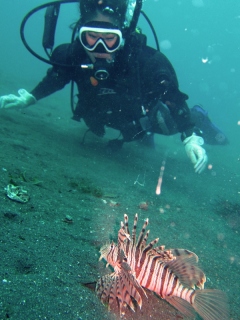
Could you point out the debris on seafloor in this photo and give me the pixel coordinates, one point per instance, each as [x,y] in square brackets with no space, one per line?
[68,219]
[143,205]
[113,203]
[17,193]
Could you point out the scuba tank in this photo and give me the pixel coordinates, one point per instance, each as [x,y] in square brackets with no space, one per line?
[50,23]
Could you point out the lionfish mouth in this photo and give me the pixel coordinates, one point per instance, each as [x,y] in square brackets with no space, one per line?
[173,274]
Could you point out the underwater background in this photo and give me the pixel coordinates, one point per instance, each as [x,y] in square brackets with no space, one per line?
[79,193]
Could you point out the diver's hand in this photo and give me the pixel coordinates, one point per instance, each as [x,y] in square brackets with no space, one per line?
[25,99]
[195,152]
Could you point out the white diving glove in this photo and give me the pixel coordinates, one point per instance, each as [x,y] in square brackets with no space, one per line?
[25,99]
[195,152]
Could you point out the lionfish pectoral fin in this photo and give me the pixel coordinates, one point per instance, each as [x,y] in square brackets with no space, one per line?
[182,305]
[186,254]
[109,289]
[126,292]
[188,272]
[104,288]
[211,304]
[121,286]
[133,281]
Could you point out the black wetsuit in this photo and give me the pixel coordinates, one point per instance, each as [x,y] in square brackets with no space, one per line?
[140,78]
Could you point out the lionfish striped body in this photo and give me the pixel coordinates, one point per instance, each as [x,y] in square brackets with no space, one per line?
[173,274]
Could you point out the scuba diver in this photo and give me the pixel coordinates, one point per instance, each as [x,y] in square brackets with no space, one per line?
[122,83]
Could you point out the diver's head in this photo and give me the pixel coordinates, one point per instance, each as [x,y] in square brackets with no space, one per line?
[102,25]
[113,11]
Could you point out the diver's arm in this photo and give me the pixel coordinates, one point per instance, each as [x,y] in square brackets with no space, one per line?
[54,80]
[165,88]
[57,77]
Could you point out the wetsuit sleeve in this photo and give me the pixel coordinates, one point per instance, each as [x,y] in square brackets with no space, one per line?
[57,77]
[160,82]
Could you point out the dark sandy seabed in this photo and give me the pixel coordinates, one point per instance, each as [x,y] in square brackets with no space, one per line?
[46,259]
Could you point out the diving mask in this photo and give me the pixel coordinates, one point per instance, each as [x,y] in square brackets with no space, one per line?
[103,37]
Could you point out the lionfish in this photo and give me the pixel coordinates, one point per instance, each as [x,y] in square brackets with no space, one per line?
[172,274]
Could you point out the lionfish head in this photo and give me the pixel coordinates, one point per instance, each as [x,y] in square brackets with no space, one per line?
[109,253]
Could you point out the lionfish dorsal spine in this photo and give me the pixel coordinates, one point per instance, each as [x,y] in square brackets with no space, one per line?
[126,223]
[142,234]
[150,245]
[144,241]
[134,230]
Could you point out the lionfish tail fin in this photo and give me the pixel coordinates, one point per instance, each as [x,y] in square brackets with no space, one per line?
[211,304]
